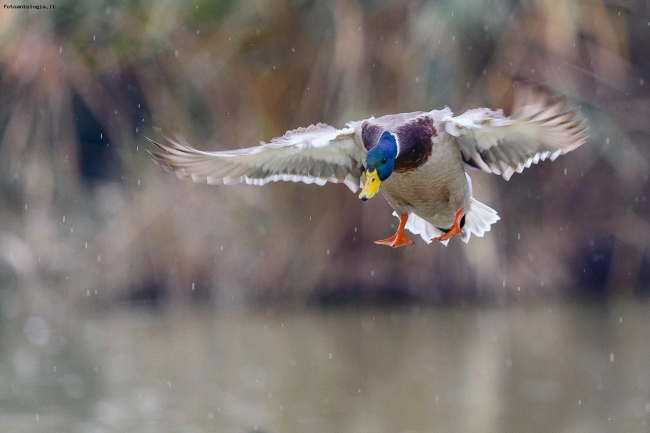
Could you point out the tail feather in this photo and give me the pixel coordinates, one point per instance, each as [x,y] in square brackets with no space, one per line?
[480,216]
[478,220]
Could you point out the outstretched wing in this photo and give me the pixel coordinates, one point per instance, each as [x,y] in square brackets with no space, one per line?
[540,127]
[316,154]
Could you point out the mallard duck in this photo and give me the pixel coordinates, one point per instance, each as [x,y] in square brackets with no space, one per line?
[415,160]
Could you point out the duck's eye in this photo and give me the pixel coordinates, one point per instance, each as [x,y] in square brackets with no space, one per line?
[384,161]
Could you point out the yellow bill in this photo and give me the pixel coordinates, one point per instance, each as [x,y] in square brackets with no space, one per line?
[371,186]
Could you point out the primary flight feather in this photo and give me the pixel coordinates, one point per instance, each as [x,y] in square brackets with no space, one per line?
[416,160]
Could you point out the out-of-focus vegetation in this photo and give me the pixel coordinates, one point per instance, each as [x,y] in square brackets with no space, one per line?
[85,213]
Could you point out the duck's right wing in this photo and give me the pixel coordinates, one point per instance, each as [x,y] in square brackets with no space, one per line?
[316,154]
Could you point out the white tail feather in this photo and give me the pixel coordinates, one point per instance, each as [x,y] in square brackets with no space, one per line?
[478,220]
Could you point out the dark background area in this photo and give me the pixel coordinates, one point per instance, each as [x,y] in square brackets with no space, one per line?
[83,84]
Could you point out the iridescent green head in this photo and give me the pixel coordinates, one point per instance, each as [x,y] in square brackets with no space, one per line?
[380,163]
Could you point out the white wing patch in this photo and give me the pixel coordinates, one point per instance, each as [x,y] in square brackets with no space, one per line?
[316,154]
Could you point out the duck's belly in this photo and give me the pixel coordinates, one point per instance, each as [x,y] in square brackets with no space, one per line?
[434,195]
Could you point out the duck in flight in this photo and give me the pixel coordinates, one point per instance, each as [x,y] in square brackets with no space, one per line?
[415,160]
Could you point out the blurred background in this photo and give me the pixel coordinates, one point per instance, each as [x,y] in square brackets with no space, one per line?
[132,300]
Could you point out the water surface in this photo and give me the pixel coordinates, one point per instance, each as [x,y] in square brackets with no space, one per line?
[550,368]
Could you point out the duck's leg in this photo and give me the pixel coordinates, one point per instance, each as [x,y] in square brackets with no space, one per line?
[399,239]
[455,229]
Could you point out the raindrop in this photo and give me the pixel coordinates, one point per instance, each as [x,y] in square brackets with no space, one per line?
[192,286]
[63,218]
[101,135]
[60,50]
[518,236]
[176,53]
[372,273]
[169,383]
[86,245]
[138,182]
[93,37]
[99,258]
[620,319]
[330,355]
[611,357]
[579,402]
[293,49]
[328,252]
[565,171]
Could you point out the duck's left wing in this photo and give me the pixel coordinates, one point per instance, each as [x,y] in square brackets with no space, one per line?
[540,127]
[316,154]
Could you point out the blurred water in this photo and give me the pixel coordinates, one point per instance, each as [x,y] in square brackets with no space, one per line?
[569,368]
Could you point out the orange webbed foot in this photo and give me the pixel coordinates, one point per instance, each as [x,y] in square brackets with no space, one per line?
[399,239]
[455,228]
[395,241]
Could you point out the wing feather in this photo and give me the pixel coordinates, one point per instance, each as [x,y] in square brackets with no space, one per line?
[540,128]
[316,154]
